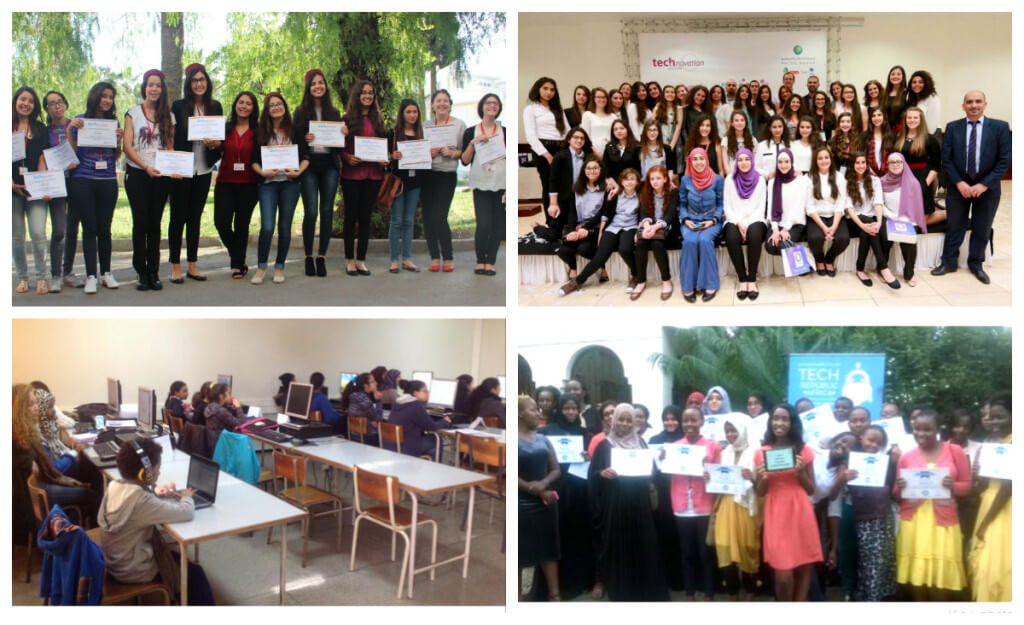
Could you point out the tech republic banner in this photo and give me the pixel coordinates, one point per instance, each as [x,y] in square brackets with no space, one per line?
[824,377]
[711,58]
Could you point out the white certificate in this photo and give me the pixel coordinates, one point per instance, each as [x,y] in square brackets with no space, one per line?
[725,479]
[684,460]
[415,154]
[819,423]
[996,461]
[490,150]
[568,449]
[870,468]
[17,145]
[327,134]
[442,136]
[925,483]
[580,470]
[279,157]
[98,133]
[43,183]
[632,462]
[714,427]
[169,162]
[895,431]
[206,127]
[60,157]
[371,149]
[758,428]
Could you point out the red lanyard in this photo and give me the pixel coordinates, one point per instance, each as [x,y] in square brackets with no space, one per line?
[484,132]
[150,128]
[199,110]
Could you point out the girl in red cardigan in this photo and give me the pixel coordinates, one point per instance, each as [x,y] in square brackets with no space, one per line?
[929,546]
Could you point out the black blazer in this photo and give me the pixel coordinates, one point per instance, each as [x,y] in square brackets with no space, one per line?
[181,142]
[561,180]
[995,152]
[614,163]
[671,209]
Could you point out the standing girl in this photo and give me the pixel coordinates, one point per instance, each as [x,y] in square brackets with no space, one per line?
[538,503]
[487,179]
[279,188]
[877,141]
[439,186]
[57,124]
[151,128]
[26,114]
[319,183]
[580,104]
[403,210]
[704,134]
[990,565]
[658,209]
[236,190]
[842,141]
[695,107]
[894,97]
[636,110]
[864,205]
[793,112]
[922,94]
[773,140]
[923,155]
[744,201]
[825,119]
[621,153]
[188,195]
[597,121]
[872,94]
[763,110]
[738,136]
[805,144]
[901,196]
[848,104]
[737,518]
[791,539]
[654,151]
[825,208]
[360,181]
[664,517]
[667,114]
[700,208]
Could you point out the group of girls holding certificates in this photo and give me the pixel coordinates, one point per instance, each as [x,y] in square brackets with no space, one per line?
[197,155]
[631,526]
[820,172]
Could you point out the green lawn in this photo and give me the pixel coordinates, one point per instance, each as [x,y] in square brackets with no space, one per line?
[460,218]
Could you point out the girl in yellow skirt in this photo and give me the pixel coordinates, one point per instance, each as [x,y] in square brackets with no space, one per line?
[929,546]
[990,563]
[737,520]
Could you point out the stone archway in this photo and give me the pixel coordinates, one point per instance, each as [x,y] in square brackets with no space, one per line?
[602,374]
[526,383]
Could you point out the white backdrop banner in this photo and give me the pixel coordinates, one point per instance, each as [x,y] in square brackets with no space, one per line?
[710,58]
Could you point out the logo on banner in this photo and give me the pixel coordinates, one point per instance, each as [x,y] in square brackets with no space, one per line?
[681,63]
[798,49]
[858,386]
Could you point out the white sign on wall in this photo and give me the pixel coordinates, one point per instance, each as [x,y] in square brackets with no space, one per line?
[710,58]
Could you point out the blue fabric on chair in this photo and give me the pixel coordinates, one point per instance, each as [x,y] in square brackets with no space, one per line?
[237,456]
[73,565]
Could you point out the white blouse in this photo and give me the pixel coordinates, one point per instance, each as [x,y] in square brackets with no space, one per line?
[891,205]
[598,128]
[744,212]
[722,116]
[636,125]
[794,198]
[764,156]
[143,143]
[867,209]
[826,206]
[539,123]
[801,156]
[932,112]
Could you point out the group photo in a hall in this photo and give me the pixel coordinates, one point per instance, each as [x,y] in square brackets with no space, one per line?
[701,167]
[766,464]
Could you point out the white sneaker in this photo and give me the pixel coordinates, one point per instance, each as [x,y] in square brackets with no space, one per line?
[90,285]
[74,281]
[54,284]
[257,278]
[278,277]
[109,281]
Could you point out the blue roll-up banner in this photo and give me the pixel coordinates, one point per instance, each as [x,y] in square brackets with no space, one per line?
[824,377]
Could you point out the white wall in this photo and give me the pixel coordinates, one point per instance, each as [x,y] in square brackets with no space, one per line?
[588,50]
[75,356]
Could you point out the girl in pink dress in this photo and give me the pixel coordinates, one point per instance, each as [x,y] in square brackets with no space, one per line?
[791,543]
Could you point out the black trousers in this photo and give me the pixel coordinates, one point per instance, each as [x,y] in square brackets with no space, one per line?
[147,198]
[877,244]
[698,560]
[360,197]
[816,240]
[188,198]
[978,212]
[233,204]
[490,224]
[436,199]
[621,241]
[756,234]
[569,250]
[71,226]
[796,234]
[909,251]
[544,171]
[657,246]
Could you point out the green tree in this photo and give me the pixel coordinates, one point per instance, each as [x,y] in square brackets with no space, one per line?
[54,51]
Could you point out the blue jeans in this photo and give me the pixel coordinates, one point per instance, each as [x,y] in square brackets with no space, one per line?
[274,197]
[403,215]
[35,212]
[319,181]
[698,262]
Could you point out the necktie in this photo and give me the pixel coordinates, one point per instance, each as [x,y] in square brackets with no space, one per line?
[972,146]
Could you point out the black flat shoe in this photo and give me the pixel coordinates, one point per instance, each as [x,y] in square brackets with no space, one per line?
[831,273]
[196,277]
[865,281]
[143,284]
[895,284]
[245,270]
[352,272]
[692,298]
[394,270]
[480,272]
[412,268]
[742,294]
[321,266]
[982,276]
[177,280]
[603,279]
[310,267]
[753,295]
[822,272]
[490,272]
[363,272]
[707,297]
[154,282]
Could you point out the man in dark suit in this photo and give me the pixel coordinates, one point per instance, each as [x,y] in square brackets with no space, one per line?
[975,155]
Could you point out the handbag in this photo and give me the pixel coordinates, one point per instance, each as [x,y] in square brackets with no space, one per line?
[796,260]
[391,186]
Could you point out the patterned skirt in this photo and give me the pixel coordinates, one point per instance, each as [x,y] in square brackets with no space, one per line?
[876,558]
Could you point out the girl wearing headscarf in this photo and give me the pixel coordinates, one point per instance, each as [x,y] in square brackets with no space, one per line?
[745,193]
[664,519]
[694,400]
[389,387]
[628,562]
[786,205]
[576,568]
[737,519]
[864,206]
[902,199]
[62,451]
[700,208]
[716,404]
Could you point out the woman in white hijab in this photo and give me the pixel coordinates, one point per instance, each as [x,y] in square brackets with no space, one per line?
[737,520]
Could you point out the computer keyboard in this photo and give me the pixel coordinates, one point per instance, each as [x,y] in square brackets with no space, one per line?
[274,435]
[106,450]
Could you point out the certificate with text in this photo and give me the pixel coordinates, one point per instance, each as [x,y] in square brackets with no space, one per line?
[60,157]
[169,163]
[725,479]
[371,149]
[98,133]
[415,154]
[279,157]
[870,468]
[925,483]
[684,460]
[568,449]
[17,146]
[206,127]
[996,461]
[490,150]
[632,462]
[327,134]
[442,136]
[40,184]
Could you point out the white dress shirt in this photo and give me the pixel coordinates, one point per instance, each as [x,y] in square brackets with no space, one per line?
[598,128]
[826,206]
[801,156]
[794,198]
[744,212]
[866,208]
[539,123]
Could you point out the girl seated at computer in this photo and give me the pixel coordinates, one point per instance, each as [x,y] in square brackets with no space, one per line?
[223,412]
[409,412]
[362,399]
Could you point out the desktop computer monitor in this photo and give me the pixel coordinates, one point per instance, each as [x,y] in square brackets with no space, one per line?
[224,379]
[423,376]
[501,381]
[147,409]
[113,395]
[346,378]
[296,404]
[442,392]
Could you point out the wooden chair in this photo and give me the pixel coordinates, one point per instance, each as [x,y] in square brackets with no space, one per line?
[115,592]
[489,454]
[167,414]
[492,422]
[293,468]
[387,488]
[177,424]
[360,426]
[392,434]
[41,508]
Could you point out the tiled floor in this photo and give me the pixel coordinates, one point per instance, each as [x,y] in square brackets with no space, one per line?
[957,289]
[244,570]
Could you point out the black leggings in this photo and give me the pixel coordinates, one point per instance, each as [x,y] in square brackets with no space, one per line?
[877,244]
[734,577]
[698,559]
[147,197]
[816,240]
[756,233]
[490,224]
[569,250]
[360,197]
[436,198]
[909,251]
[544,171]
[657,246]
[233,204]
[621,241]
[796,234]
[188,198]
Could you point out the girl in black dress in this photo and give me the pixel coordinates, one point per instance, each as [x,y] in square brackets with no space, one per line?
[538,503]
[704,134]
[621,153]
[894,97]
[664,519]
[924,158]
[580,102]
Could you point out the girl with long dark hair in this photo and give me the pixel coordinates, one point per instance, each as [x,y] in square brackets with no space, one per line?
[408,127]
[26,118]
[360,180]
[237,188]
[544,125]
